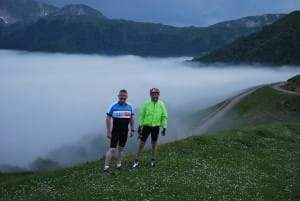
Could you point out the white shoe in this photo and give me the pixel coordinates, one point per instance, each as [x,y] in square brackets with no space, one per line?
[135,164]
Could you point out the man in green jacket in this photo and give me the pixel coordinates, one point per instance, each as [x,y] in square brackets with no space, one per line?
[153,115]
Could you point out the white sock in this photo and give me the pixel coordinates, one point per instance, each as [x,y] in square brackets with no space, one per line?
[119,165]
[106,167]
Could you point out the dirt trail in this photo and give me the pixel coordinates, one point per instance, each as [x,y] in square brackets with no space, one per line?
[277,86]
[218,114]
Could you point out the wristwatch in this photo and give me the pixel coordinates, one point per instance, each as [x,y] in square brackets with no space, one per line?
[132,130]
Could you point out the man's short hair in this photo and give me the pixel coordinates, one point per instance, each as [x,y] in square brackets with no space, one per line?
[123,91]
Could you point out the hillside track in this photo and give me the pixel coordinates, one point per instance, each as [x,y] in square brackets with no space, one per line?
[218,114]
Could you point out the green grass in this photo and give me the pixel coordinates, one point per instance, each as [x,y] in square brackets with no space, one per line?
[242,164]
[293,84]
[201,116]
[264,106]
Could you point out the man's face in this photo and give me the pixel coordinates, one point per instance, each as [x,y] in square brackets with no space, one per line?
[122,97]
[154,96]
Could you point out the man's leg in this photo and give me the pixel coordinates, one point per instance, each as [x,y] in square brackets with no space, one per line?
[145,134]
[120,156]
[108,157]
[154,137]
[139,150]
[154,149]
[136,162]
[111,150]
[122,142]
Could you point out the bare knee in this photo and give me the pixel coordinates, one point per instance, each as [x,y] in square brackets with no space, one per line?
[142,144]
[120,149]
[112,150]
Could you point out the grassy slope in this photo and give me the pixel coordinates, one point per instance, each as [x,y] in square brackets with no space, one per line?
[264,106]
[293,84]
[201,116]
[258,163]
[242,164]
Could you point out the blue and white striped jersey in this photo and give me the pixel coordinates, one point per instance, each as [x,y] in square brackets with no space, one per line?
[121,115]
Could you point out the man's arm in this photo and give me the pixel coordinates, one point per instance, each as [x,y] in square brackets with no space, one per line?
[131,124]
[142,115]
[108,126]
[164,118]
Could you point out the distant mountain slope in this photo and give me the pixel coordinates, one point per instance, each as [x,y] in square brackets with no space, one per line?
[10,168]
[12,11]
[2,22]
[276,44]
[78,9]
[251,21]
[81,29]
[90,34]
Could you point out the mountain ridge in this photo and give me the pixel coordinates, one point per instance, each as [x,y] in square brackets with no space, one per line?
[250,21]
[276,44]
[81,29]
[78,9]
[90,34]
[12,11]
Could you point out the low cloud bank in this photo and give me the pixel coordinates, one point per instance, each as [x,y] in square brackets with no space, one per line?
[51,102]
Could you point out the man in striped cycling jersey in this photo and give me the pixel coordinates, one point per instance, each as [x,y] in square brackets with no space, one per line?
[121,114]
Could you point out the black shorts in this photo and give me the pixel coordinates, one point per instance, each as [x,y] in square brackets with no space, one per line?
[147,130]
[118,137]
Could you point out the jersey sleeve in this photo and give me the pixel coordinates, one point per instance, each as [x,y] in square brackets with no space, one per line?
[142,115]
[131,109]
[110,110]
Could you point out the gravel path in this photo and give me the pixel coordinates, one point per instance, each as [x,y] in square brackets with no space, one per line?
[220,113]
[277,86]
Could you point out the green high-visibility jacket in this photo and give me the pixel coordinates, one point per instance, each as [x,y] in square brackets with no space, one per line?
[154,114]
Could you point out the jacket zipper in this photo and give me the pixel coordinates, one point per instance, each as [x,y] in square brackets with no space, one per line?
[153,113]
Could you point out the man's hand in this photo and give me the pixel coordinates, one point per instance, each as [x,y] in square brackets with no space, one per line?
[108,134]
[140,132]
[132,132]
[163,132]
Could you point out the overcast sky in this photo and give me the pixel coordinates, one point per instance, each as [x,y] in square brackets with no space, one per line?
[184,12]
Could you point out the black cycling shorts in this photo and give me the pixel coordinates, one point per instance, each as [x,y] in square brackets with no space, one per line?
[118,137]
[147,130]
